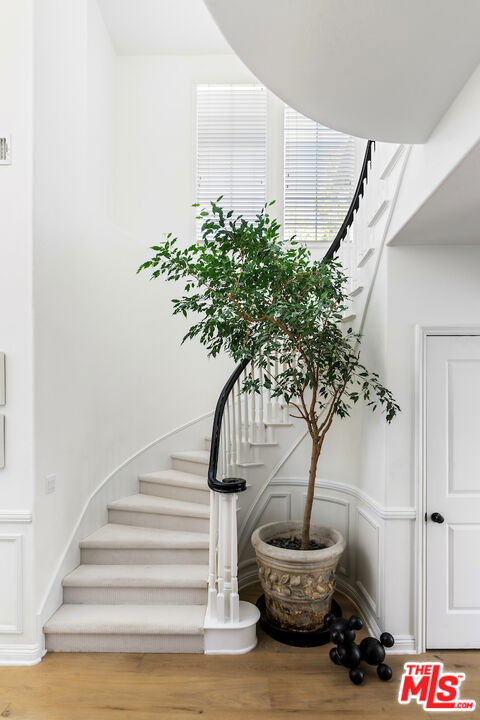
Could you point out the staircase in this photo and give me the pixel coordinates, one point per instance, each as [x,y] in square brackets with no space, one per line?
[142,582]
[161,576]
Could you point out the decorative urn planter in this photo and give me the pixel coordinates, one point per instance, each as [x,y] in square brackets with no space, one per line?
[298,584]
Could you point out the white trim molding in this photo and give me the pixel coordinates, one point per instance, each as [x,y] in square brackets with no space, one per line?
[20,654]
[373,602]
[15,628]
[247,572]
[344,564]
[384,512]
[15,516]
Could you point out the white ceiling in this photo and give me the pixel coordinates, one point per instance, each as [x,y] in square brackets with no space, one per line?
[151,27]
[382,69]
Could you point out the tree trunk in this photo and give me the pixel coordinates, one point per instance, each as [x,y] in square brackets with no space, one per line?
[312,474]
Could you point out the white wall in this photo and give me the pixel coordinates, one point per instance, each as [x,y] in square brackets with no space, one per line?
[428,286]
[110,373]
[16,333]
[16,251]
[155,139]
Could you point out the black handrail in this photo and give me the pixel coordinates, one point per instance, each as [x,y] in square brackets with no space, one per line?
[235,485]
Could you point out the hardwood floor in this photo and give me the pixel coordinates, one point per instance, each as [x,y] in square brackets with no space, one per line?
[273,681]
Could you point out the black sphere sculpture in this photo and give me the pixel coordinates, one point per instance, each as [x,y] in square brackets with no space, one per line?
[387,640]
[350,655]
[384,672]
[356,676]
[372,651]
[334,656]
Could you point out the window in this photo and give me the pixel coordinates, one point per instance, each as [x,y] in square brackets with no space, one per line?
[231,146]
[320,178]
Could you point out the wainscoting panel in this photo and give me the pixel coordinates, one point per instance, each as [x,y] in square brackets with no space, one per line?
[276,506]
[367,560]
[334,513]
[11,596]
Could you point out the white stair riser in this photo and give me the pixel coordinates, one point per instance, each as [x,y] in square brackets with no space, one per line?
[190,466]
[134,596]
[157,520]
[115,643]
[176,492]
[144,556]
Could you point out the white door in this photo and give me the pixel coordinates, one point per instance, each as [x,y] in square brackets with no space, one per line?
[453,491]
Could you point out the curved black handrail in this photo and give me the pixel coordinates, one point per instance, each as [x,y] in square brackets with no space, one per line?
[235,485]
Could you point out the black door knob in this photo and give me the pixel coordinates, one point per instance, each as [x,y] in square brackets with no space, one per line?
[436,517]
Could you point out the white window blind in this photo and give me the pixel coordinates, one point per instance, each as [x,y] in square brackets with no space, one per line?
[319,178]
[231,146]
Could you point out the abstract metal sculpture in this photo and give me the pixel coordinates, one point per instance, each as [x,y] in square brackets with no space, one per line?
[350,655]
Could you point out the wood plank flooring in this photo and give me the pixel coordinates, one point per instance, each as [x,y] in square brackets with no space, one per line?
[272,682]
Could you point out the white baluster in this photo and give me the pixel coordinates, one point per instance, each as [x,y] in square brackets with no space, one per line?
[240,452]
[285,413]
[277,406]
[246,414]
[234,599]
[234,431]
[254,429]
[224,447]
[226,420]
[269,407]
[222,549]
[261,419]
[212,555]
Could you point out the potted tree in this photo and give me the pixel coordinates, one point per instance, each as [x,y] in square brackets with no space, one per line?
[255,296]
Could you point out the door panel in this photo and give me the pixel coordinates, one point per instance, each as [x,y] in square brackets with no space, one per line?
[463,392]
[453,491]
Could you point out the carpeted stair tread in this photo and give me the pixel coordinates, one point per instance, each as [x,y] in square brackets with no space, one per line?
[141,503]
[197,456]
[176,478]
[138,576]
[127,620]
[115,535]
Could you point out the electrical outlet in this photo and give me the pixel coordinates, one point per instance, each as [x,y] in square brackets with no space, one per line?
[5,150]
[50,482]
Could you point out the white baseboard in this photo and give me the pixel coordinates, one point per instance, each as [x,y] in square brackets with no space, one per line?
[21,654]
[247,573]
[404,645]
[344,587]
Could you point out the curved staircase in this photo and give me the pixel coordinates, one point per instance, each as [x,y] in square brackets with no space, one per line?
[142,582]
[162,574]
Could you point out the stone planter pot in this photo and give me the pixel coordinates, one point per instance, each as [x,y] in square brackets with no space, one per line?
[298,584]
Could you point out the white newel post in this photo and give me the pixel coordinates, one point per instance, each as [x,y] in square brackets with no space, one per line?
[230,624]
